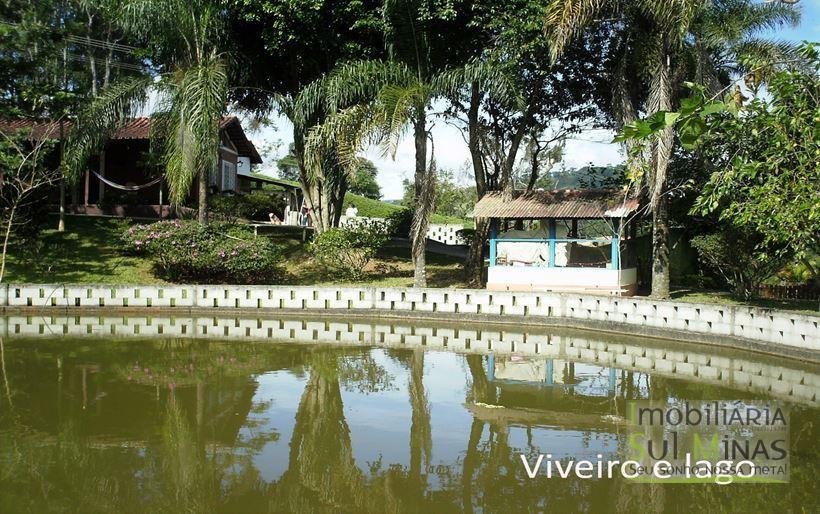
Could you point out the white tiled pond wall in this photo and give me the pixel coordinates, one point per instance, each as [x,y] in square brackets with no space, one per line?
[748,323]
[749,374]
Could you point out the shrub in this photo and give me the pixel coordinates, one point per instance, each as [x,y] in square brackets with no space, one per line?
[467,235]
[255,205]
[216,253]
[348,250]
[739,258]
[400,222]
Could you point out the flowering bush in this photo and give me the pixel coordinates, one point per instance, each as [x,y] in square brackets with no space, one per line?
[347,250]
[188,251]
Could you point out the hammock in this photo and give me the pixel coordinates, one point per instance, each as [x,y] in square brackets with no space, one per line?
[126,188]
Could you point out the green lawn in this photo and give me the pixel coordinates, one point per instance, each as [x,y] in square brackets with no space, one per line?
[87,253]
[391,268]
[801,306]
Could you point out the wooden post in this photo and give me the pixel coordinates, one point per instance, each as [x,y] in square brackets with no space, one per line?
[86,187]
[101,193]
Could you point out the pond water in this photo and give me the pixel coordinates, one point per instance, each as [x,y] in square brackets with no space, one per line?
[364,416]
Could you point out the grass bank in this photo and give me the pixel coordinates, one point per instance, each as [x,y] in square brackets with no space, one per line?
[87,252]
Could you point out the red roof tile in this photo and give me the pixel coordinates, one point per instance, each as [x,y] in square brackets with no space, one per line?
[137,128]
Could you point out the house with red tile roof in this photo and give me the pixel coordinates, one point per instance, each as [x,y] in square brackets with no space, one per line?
[125,173]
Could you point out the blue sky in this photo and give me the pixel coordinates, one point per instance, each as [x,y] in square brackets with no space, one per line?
[451,151]
[809,28]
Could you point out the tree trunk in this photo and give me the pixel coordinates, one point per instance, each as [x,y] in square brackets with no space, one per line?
[6,240]
[475,255]
[202,215]
[658,199]
[660,249]
[424,197]
[61,221]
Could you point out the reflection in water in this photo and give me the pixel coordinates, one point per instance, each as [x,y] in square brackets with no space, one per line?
[199,425]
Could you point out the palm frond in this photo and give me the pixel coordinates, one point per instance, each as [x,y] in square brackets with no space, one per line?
[397,105]
[565,19]
[343,134]
[497,80]
[110,111]
[357,82]
[194,125]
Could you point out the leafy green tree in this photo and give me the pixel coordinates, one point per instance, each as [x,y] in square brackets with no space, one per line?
[662,43]
[288,167]
[452,199]
[378,101]
[282,46]
[363,181]
[191,92]
[735,254]
[765,160]
[545,102]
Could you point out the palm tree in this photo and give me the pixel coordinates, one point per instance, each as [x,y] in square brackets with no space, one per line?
[190,94]
[660,39]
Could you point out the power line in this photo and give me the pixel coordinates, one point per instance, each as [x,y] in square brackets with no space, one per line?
[89,41]
[99,43]
[115,64]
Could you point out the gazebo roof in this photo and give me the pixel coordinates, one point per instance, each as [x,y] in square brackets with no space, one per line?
[562,203]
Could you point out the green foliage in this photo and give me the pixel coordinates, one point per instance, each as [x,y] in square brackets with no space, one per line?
[191,96]
[400,222]
[737,257]
[689,121]
[363,181]
[256,205]
[216,253]
[453,200]
[767,162]
[348,250]
[288,167]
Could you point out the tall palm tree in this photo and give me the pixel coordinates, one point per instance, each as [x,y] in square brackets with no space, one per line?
[660,39]
[190,94]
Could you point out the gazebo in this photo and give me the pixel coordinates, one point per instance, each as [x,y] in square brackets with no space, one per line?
[565,240]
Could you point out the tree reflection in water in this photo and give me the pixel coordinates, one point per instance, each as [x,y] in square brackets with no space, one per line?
[178,426]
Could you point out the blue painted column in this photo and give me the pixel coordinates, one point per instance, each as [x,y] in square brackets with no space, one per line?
[552,243]
[548,377]
[612,379]
[493,240]
[616,244]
